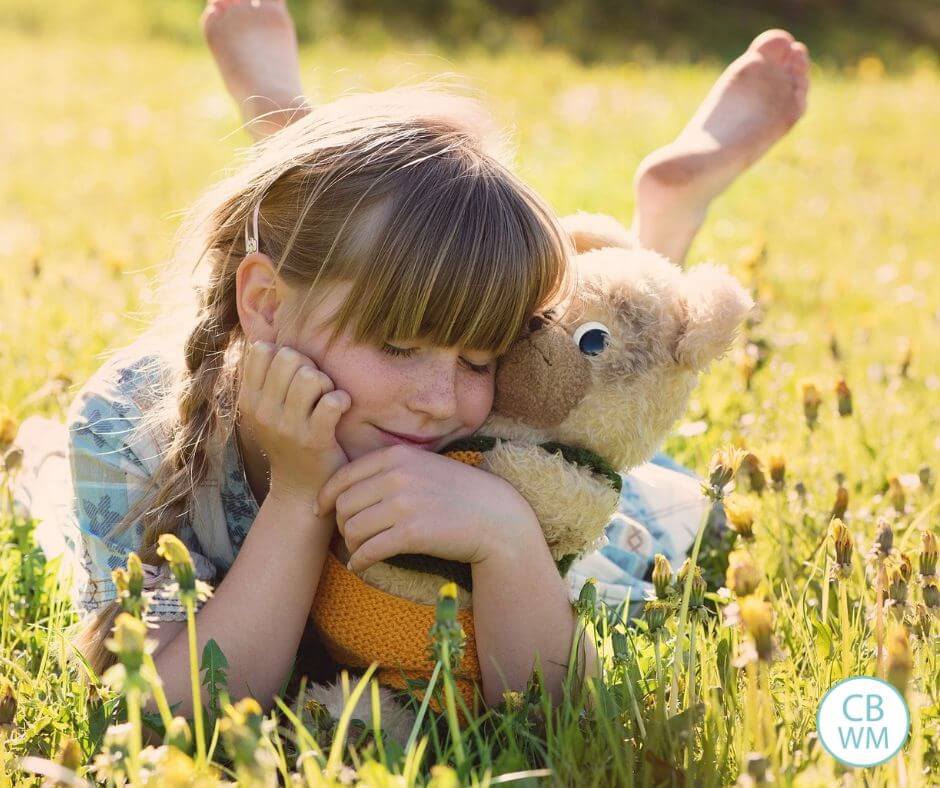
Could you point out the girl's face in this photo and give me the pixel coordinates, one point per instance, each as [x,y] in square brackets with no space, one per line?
[409,388]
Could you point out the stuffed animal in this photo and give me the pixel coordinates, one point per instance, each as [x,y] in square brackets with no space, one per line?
[588,392]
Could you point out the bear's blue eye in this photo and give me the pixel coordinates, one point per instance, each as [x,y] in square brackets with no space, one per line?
[592,338]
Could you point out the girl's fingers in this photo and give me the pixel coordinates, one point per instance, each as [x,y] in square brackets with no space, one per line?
[326,415]
[306,387]
[356,499]
[365,525]
[281,373]
[363,467]
[378,548]
[256,366]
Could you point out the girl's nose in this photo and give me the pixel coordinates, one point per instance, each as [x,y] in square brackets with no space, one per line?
[435,392]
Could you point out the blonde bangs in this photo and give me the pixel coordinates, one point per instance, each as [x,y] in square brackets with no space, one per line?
[465,254]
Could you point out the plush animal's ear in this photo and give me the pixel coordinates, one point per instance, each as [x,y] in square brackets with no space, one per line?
[715,303]
[596,231]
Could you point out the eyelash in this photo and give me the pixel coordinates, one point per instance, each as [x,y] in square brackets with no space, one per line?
[407,353]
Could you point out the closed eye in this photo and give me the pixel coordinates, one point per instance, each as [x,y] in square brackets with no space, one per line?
[401,352]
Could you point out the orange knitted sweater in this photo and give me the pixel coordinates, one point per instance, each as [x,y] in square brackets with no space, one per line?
[359,625]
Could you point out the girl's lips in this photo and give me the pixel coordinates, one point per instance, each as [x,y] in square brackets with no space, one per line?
[410,440]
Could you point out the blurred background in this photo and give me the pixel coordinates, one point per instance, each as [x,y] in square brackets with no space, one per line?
[899,33]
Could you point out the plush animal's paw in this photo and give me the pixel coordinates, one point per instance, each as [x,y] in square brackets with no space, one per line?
[396,721]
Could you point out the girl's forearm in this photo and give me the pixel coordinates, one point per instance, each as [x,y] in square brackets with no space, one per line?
[521,608]
[258,613]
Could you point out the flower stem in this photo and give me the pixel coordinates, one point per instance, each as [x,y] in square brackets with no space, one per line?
[684,613]
[133,717]
[879,620]
[194,679]
[844,624]
[156,686]
[451,705]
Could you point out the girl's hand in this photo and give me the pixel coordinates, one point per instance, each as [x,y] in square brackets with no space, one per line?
[291,409]
[401,499]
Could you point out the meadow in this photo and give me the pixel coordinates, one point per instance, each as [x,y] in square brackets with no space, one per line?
[106,141]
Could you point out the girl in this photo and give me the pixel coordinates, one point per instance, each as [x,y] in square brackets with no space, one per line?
[753,104]
[357,280]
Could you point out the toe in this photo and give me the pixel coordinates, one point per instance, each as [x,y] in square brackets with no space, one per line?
[773,44]
[799,57]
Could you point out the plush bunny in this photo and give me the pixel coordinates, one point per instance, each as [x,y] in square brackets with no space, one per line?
[588,391]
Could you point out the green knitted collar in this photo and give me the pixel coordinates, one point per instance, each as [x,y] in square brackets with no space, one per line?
[583,457]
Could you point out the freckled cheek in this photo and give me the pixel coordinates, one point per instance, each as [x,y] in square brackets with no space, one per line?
[477,399]
[371,384]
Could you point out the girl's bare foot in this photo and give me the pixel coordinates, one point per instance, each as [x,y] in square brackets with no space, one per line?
[753,104]
[255,47]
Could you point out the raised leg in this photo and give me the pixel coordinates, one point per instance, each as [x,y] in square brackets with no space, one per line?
[753,104]
[255,47]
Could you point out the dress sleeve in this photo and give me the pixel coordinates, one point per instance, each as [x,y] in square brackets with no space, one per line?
[110,471]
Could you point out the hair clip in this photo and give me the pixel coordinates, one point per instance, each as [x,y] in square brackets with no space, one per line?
[251,241]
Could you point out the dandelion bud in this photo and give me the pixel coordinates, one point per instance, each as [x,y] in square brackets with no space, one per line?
[800,489]
[743,576]
[7,703]
[176,554]
[724,467]
[620,646]
[446,628]
[130,586]
[884,539]
[757,617]
[904,360]
[757,767]
[656,611]
[921,622]
[897,586]
[587,599]
[840,505]
[928,554]
[834,349]
[843,543]
[898,663]
[896,494]
[179,735]
[844,398]
[905,567]
[740,514]
[513,701]
[699,587]
[751,471]
[70,754]
[242,733]
[746,362]
[13,460]
[931,593]
[811,402]
[926,477]
[662,576]
[8,428]
[778,470]
[128,641]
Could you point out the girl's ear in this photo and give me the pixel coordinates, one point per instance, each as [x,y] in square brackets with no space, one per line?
[714,303]
[259,292]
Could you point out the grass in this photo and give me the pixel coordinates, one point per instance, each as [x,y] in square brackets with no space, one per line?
[106,141]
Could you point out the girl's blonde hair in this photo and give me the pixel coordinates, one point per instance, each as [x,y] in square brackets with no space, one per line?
[406,193]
